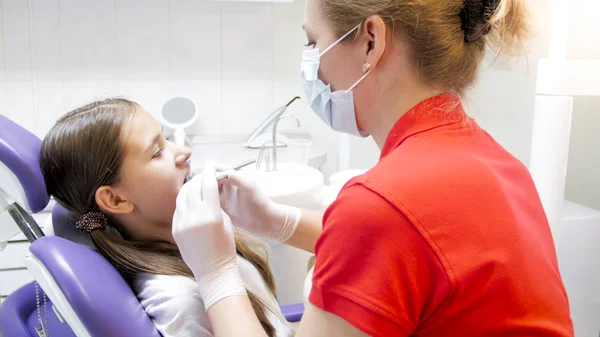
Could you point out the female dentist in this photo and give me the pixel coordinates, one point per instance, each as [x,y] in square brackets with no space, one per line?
[445,236]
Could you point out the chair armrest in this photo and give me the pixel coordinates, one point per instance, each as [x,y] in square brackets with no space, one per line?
[293,312]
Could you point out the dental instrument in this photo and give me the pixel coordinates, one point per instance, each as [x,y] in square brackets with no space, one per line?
[223,175]
[235,168]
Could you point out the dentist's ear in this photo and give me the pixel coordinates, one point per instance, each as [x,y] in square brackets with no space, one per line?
[376,32]
[111,202]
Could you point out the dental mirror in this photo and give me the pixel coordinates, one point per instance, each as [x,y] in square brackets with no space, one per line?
[178,113]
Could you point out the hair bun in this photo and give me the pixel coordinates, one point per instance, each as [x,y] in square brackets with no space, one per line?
[475,17]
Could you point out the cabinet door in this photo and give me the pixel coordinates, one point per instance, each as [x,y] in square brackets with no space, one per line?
[13,256]
[11,280]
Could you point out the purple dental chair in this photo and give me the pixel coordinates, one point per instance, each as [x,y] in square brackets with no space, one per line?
[86,296]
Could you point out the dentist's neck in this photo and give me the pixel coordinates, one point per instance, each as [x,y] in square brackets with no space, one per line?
[392,104]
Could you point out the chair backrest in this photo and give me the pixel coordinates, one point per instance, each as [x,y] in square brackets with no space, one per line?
[98,295]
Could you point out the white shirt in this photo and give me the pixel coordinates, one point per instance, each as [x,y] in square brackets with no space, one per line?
[175,306]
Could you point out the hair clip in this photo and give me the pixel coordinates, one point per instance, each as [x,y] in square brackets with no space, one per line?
[91,221]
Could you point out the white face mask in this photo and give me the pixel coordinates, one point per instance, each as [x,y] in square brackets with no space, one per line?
[335,109]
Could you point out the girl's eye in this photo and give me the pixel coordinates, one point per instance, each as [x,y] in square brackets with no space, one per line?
[310,44]
[158,153]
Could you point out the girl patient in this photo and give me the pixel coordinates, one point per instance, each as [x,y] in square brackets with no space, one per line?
[110,163]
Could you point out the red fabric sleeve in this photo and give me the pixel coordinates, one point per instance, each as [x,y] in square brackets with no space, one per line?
[373,267]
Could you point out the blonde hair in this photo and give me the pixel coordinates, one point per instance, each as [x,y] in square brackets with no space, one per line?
[80,154]
[436,32]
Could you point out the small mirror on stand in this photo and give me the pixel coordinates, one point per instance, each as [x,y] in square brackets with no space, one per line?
[179,113]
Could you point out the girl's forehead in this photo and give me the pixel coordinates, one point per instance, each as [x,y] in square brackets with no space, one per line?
[141,132]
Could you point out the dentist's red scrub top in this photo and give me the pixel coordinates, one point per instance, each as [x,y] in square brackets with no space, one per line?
[445,236]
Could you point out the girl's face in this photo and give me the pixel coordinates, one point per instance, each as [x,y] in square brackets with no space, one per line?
[152,172]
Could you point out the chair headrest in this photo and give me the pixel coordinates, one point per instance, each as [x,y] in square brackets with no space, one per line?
[63,225]
[20,172]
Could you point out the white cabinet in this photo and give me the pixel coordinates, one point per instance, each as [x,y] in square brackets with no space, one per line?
[12,280]
[13,273]
[13,256]
[578,250]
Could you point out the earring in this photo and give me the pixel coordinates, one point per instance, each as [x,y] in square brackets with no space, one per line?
[366,67]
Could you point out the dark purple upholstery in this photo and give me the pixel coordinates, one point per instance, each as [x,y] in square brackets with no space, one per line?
[63,225]
[20,152]
[15,310]
[18,315]
[103,301]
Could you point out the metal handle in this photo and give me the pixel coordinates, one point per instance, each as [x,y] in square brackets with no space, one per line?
[262,157]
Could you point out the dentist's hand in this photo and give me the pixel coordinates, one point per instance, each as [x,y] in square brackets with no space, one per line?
[250,208]
[205,238]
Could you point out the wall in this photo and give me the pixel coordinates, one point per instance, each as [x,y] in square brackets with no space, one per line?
[583,172]
[57,55]
[239,61]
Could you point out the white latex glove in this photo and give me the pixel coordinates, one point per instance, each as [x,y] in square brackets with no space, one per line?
[250,208]
[205,238]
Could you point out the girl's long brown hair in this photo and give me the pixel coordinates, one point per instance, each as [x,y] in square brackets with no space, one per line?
[81,153]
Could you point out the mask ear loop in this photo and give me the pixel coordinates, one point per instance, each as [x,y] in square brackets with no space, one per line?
[364,66]
[359,80]
[340,39]
[367,70]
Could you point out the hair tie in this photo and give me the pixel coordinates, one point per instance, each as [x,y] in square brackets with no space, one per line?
[475,17]
[91,221]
